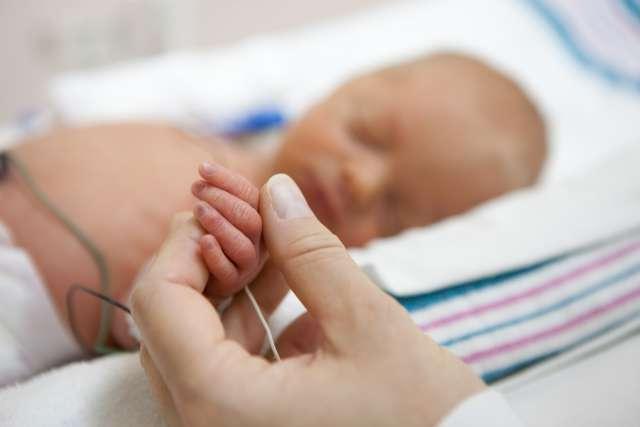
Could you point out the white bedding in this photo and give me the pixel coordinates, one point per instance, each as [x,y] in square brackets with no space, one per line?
[597,391]
[111,391]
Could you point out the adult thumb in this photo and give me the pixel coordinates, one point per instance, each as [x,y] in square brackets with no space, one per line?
[314,261]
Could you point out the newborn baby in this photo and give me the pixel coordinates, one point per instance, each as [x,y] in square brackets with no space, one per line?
[401,147]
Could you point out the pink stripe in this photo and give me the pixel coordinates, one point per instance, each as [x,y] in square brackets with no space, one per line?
[553,283]
[576,321]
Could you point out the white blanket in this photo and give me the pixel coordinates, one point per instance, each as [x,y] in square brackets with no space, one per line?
[111,391]
[597,391]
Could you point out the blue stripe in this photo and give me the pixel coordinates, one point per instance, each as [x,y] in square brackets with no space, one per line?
[603,69]
[495,375]
[633,7]
[604,284]
[422,301]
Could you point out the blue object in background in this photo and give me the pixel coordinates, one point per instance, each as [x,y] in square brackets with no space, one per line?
[582,53]
[257,120]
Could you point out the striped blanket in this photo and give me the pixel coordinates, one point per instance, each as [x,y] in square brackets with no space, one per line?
[502,324]
[603,35]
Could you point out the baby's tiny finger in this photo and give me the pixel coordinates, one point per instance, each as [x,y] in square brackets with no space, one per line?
[223,270]
[238,212]
[235,245]
[231,182]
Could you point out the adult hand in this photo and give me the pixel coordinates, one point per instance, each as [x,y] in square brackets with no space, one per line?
[371,367]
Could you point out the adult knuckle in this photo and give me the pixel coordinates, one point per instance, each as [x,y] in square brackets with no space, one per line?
[312,246]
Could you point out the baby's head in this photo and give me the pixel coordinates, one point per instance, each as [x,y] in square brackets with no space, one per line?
[409,145]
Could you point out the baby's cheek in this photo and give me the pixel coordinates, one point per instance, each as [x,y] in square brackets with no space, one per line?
[358,231]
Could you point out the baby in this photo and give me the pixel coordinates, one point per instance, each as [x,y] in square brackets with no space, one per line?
[397,148]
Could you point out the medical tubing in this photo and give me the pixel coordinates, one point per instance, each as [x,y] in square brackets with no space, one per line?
[98,258]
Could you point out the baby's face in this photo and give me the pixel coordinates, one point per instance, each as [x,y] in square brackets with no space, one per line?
[390,151]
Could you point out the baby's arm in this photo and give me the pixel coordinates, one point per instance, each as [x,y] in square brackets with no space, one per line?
[228,211]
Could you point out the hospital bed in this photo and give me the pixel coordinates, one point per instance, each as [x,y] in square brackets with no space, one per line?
[591,102]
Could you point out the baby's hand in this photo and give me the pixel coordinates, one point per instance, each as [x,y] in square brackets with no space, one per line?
[228,211]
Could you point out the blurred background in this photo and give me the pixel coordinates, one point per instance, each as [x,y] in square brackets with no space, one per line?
[207,65]
[44,38]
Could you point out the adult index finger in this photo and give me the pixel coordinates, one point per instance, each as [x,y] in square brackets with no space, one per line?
[180,328]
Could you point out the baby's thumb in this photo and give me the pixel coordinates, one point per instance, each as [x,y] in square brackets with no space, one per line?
[314,262]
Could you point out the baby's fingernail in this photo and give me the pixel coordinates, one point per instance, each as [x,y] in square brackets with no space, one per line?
[197,187]
[201,209]
[287,199]
[207,168]
[207,241]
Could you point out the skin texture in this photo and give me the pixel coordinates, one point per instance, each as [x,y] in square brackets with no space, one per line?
[351,377]
[228,212]
[401,147]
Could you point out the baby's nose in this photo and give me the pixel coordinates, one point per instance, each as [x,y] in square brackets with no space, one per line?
[365,179]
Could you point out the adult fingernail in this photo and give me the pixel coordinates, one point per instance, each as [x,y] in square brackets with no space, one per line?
[287,199]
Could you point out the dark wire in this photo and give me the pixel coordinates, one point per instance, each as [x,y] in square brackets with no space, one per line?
[71,313]
[97,256]
[4,165]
